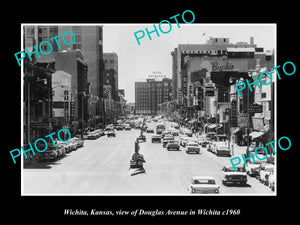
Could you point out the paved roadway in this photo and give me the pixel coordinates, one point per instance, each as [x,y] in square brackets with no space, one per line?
[101,167]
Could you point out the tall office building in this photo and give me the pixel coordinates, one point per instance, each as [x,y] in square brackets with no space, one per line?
[110,61]
[150,94]
[89,40]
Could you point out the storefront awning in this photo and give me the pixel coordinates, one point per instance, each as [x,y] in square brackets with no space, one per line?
[212,126]
[236,130]
[219,126]
[256,134]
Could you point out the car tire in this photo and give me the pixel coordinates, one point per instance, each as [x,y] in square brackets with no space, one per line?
[193,190]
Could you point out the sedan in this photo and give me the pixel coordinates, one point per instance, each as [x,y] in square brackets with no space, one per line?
[192,147]
[204,184]
[111,133]
[167,139]
[173,145]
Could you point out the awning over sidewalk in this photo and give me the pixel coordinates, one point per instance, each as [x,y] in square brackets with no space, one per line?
[212,126]
[256,134]
[236,130]
[219,126]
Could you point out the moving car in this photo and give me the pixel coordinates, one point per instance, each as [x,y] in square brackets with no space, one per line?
[119,127]
[232,176]
[204,184]
[192,147]
[127,126]
[149,130]
[223,150]
[165,132]
[166,139]
[160,128]
[111,133]
[156,138]
[173,145]
[175,132]
[202,141]
[212,136]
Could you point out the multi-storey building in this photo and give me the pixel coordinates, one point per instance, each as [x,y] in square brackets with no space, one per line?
[89,40]
[150,94]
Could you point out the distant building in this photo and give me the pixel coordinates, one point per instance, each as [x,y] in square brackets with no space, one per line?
[61,86]
[89,40]
[150,94]
[110,61]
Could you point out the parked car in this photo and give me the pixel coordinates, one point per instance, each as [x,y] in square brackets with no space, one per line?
[232,176]
[253,168]
[272,180]
[265,170]
[212,147]
[173,145]
[91,135]
[192,147]
[111,133]
[72,145]
[61,150]
[50,154]
[223,150]
[79,142]
[156,138]
[203,184]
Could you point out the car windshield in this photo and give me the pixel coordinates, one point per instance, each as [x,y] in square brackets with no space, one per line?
[238,169]
[204,181]
[192,144]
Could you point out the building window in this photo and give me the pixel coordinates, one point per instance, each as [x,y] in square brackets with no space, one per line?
[263,94]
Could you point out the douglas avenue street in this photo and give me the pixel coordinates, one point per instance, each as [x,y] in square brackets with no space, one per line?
[102,167]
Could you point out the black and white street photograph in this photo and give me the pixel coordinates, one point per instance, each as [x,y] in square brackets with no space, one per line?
[149,109]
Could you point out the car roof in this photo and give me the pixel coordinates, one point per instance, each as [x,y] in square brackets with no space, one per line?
[202,177]
[236,166]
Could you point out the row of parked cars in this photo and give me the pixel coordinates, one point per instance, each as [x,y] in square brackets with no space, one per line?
[263,170]
[61,148]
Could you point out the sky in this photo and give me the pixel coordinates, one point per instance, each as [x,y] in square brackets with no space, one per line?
[136,62]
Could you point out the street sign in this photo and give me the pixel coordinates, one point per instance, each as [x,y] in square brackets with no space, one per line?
[255,108]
